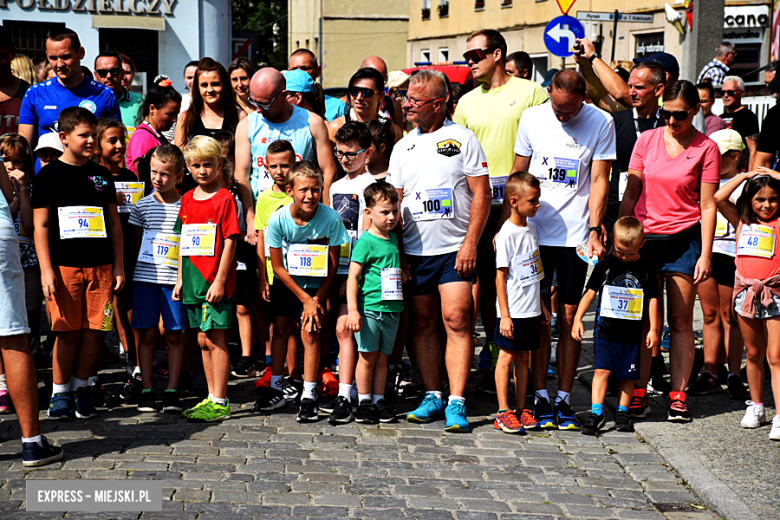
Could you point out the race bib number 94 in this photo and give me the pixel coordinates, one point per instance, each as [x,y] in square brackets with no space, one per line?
[81,222]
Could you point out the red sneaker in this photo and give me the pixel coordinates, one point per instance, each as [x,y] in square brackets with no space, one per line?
[508,423]
[526,418]
[264,381]
[639,405]
[328,385]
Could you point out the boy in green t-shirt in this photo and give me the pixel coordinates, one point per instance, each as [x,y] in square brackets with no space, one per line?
[375,301]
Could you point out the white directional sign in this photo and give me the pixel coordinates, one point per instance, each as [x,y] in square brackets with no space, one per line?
[591,16]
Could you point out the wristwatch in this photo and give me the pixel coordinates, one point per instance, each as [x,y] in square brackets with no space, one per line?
[596,229]
[594,56]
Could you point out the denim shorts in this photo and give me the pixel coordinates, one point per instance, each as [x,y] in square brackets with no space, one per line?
[150,301]
[762,312]
[13,312]
[676,253]
[429,272]
[378,331]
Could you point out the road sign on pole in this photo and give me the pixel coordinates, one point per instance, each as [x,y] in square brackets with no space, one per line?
[590,16]
[560,35]
[565,5]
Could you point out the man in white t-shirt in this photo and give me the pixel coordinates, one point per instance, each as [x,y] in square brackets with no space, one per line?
[568,145]
[440,172]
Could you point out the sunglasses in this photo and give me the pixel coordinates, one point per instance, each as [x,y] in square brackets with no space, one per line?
[679,115]
[105,72]
[730,93]
[350,156]
[263,105]
[367,92]
[476,55]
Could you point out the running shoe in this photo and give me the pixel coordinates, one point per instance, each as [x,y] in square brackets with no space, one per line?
[429,410]
[186,413]
[264,381]
[593,423]
[774,433]
[308,411]
[456,420]
[678,411]
[736,387]
[131,390]
[385,413]
[622,422]
[342,411]
[402,383]
[210,412]
[564,416]
[666,339]
[487,385]
[639,407]
[35,455]
[185,385]
[485,358]
[327,385]
[554,331]
[658,385]
[148,401]
[550,373]
[171,402]
[82,405]
[507,422]
[5,402]
[366,413]
[292,390]
[706,384]
[755,415]
[60,407]
[270,399]
[543,413]
[326,405]
[160,369]
[526,418]
[244,368]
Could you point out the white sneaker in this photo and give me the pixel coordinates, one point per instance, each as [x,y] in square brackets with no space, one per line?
[755,416]
[774,434]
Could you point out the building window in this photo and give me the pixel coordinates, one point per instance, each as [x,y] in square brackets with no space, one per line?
[479,5]
[141,45]
[508,3]
[425,56]
[426,9]
[30,37]
[444,8]
[444,55]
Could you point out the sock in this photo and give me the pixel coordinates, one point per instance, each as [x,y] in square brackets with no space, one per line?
[308,390]
[92,381]
[562,396]
[376,398]
[453,398]
[638,392]
[344,390]
[3,384]
[759,404]
[502,411]
[171,390]
[76,383]
[136,371]
[211,397]
[222,401]
[36,439]
[59,389]
[622,408]
[434,393]
[268,361]
[146,391]
[597,408]
[541,394]
[363,397]
[677,396]
[276,382]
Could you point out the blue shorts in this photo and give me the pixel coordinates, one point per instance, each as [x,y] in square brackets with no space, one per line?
[378,331]
[677,253]
[429,272]
[150,300]
[622,359]
[527,335]
[13,313]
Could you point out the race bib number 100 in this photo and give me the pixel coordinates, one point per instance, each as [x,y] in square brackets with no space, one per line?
[433,204]
[81,222]
[198,239]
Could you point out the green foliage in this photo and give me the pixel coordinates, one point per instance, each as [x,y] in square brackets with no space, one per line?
[269,19]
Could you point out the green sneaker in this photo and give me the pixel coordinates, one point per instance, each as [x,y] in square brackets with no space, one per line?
[210,412]
[188,412]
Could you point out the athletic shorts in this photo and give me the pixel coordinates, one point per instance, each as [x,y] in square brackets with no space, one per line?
[677,253]
[83,299]
[569,270]
[211,316]
[622,359]
[527,335]
[723,269]
[244,288]
[378,331]
[13,312]
[284,302]
[334,292]
[486,254]
[429,272]
[151,300]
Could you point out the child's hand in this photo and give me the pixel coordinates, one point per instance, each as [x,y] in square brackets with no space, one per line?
[176,295]
[343,289]
[48,284]
[265,290]
[119,279]
[215,293]
[404,277]
[762,170]
[507,328]
[120,199]
[545,315]
[311,317]
[652,339]
[354,321]
[577,330]
[405,271]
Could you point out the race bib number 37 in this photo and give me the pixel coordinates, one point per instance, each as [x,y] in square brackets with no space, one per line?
[622,303]
[81,222]
[433,204]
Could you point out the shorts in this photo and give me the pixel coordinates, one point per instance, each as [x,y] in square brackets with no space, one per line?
[677,253]
[13,311]
[83,299]
[486,253]
[334,293]
[378,331]
[211,316]
[429,272]
[570,273]
[527,335]
[153,299]
[244,287]
[622,359]
[762,312]
[284,302]
[723,269]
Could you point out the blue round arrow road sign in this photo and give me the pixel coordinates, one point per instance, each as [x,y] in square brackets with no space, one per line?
[559,35]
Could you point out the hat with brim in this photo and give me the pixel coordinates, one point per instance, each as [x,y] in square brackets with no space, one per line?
[298,81]
[548,77]
[50,140]
[727,140]
[666,60]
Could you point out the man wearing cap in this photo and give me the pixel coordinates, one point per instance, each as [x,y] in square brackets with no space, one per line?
[12,89]
[43,102]
[739,117]
[716,70]
[305,60]
[109,72]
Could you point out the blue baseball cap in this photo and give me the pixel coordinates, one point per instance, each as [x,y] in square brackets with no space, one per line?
[298,81]
[666,60]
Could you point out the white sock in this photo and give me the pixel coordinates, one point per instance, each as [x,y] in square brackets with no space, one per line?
[276,382]
[540,394]
[435,393]
[220,401]
[562,396]
[36,439]
[344,390]
[376,398]
[59,389]
[76,383]
[456,398]
[92,381]
[3,384]
[309,390]
[363,397]
[136,371]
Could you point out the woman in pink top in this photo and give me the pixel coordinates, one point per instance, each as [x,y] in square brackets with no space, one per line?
[156,115]
[672,178]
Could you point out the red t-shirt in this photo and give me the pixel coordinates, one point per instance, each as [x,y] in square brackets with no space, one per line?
[758,267]
[669,202]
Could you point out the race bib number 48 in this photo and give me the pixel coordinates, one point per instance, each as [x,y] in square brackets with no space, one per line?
[81,222]
[198,239]
[756,240]
[433,204]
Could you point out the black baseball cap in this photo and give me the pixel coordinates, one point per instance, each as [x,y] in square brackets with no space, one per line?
[6,39]
[666,60]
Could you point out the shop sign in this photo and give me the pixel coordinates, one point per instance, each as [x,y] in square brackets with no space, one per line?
[105,7]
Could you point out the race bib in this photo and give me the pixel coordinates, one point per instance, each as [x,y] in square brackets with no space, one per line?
[433,204]
[622,183]
[346,253]
[756,240]
[129,193]
[307,260]
[198,239]
[25,237]
[528,268]
[622,303]
[721,225]
[266,247]
[558,172]
[497,185]
[81,222]
[391,284]
[160,249]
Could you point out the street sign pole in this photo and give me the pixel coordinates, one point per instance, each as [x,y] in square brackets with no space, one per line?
[614,37]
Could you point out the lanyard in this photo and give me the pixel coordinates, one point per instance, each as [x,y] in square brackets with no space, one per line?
[636,123]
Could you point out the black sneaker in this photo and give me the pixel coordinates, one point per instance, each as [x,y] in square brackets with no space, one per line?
[384,412]
[366,413]
[327,405]
[564,416]
[402,383]
[185,385]
[308,411]
[659,385]
[131,391]
[487,385]
[244,368]
[292,390]
[592,424]
[171,402]
[342,411]
[736,387]
[723,374]
[35,455]
[148,401]
[622,422]
[706,384]
[678,411]
[82,405]
[543,413]
[270,399]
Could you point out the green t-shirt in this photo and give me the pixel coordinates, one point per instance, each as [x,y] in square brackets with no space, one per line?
[129,104]
[375,254]
[268,203]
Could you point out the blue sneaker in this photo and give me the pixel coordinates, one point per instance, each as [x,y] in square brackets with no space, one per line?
[554,331]
[666,339]
[543,414]
[59,407]
[35,455]
[564,416]
[429,410]
[550,373]
[485,358]
[84,408]
[456,417]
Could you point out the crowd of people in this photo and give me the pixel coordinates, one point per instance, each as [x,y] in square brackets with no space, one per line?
[281,232]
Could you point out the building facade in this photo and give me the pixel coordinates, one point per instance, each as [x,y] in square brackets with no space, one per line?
[342,34]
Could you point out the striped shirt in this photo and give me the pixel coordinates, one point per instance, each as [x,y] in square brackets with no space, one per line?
[155,217]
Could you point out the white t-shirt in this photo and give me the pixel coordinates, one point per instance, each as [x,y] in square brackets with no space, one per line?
[725,240]
[431,169]
[514,244]
[562,154]
[347,198]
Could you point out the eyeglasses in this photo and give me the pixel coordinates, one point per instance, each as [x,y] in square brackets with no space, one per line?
[262,105]
[417,103]
[476,55]
[350,156]
[730,93]
[367,92]
[679,115]
[105,72]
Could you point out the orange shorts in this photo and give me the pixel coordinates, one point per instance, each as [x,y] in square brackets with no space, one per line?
[83,299]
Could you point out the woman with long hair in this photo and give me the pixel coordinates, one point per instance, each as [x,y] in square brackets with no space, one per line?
[241,71]
[23,68]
